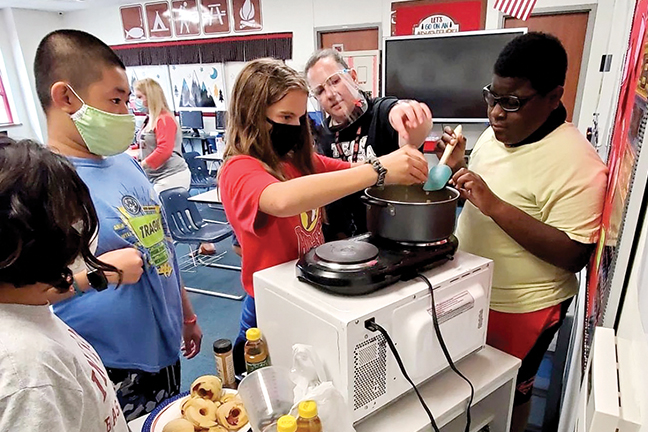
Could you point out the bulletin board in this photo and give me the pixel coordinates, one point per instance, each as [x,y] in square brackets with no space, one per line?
[198,87]
[628,168]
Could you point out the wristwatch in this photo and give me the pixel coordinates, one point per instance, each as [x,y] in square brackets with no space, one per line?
[380,170]
[97,279]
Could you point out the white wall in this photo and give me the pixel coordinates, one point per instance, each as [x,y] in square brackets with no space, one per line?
[12,83]
[31,26]
[8,40]
[20,33]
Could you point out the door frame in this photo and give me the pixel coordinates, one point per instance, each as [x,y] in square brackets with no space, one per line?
[342,28]
[590,8]
[377,75]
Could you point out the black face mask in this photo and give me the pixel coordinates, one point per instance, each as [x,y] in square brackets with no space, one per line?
[286,137]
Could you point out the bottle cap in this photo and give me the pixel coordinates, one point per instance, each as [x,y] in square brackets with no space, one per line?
[222,346]
[286,423]
[307,409]
[253,334]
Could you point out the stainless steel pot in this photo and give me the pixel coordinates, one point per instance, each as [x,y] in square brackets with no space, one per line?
[410,214]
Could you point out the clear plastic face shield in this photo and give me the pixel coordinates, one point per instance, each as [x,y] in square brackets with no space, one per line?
[340,99]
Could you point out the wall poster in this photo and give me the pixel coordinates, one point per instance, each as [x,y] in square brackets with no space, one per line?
[198,86]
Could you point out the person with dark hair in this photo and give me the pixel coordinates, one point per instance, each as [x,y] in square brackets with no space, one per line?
[52,379]
[357,128]
[534,189]
[139,328]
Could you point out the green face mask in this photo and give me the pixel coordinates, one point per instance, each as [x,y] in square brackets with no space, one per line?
[104,133]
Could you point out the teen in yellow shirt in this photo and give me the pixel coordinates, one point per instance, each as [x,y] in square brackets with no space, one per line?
[534,189]
[559,181]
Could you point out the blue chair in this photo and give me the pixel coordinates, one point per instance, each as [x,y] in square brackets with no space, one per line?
[188,226]
[200,177]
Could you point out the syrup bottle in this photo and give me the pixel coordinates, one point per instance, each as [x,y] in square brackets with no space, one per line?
[286,423]
[255,351]
[308,421]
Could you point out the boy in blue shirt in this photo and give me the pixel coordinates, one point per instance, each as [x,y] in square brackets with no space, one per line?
[138,328]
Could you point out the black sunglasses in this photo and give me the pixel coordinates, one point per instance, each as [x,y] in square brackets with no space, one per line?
[508,103]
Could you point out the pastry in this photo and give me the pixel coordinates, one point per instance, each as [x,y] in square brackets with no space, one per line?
[184,404]
[232,415]
[201,413]
[179,425]
[226,397]
[217,428]
[207,387]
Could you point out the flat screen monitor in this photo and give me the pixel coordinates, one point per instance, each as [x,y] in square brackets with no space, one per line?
[191,119]
[447,71]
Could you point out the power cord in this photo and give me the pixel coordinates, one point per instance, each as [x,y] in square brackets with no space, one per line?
[446,353]
[373,326]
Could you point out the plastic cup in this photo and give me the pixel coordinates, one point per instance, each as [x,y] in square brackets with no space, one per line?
[267,394]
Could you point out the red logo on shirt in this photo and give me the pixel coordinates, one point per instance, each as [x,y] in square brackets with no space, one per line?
[309,231]
[98,376]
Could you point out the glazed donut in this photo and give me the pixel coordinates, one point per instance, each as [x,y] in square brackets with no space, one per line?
[232,415]
[207,387]
[217,428]
[179,425]
[201,413]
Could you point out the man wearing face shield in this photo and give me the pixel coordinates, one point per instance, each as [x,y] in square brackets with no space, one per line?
[357,127]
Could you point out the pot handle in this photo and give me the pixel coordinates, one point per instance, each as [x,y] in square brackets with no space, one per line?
[372,201]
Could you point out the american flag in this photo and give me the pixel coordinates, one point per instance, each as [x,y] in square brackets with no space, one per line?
[520,9]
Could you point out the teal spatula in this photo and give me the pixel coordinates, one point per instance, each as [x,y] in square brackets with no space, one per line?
[439,175]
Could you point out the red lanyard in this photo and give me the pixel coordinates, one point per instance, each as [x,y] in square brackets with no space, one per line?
[356,146]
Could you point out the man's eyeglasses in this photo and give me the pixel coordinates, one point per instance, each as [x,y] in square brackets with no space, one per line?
[507,103]
[330,82]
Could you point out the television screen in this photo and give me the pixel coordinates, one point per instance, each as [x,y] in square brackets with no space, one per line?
[447,72]
[191,119]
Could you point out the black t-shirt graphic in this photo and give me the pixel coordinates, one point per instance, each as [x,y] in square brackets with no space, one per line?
[371,135]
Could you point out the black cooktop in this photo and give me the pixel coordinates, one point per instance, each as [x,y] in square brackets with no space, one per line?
[365,263]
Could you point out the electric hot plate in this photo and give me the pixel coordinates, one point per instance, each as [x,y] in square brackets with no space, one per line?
[366,263]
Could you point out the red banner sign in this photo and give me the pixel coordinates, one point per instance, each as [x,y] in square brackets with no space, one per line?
[434,17]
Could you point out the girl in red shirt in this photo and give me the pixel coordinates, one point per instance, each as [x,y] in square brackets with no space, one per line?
[273,185]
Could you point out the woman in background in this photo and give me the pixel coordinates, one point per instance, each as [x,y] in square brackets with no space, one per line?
[160,141]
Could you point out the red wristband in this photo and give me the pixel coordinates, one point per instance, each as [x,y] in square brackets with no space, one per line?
[191,320]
